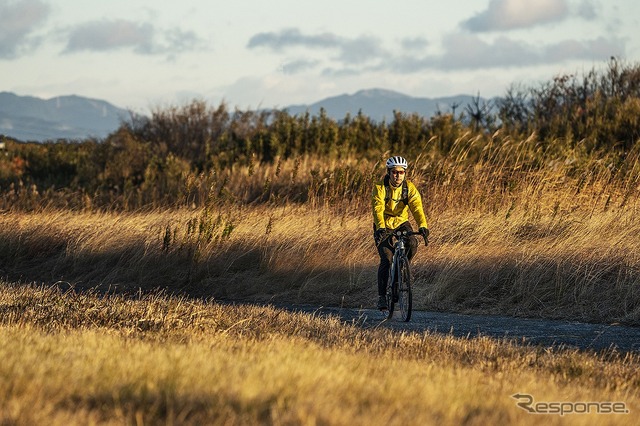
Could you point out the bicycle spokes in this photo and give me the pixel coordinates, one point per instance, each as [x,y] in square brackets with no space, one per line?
[405,299]
[391,292]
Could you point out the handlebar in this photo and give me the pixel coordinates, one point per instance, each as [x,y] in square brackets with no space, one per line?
[403,233]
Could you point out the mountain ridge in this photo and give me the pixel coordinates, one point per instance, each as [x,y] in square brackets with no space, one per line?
[380,104]
[73,117]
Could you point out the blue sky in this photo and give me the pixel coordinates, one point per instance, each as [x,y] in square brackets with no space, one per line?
[143,55]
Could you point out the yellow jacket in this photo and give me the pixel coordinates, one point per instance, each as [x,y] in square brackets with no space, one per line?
[393,213]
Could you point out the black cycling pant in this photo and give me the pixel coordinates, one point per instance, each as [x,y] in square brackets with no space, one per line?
[385,250]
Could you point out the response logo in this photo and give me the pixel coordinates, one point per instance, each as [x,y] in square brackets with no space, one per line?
[527,403]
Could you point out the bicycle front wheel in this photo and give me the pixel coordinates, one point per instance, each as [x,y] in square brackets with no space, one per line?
[405,298]
[392,289]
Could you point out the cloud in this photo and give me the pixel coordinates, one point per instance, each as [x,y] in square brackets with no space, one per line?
[586,10]
[179,40]
[143,38]
[298,65]
[341,72]
[361,50]
[414,43]
[514,14]
[292,37]
[18,22]
[462,51]
[593,50]
[358,50]
[110,35]
[468,52]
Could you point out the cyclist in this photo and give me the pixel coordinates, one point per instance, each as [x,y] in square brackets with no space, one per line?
[392,200]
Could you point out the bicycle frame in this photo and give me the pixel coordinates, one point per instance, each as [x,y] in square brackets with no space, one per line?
[399,281]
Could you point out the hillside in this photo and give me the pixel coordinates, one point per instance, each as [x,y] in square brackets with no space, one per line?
[28,118]
[379,104]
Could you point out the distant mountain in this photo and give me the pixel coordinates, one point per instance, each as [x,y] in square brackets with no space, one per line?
[28,118]
[379,105]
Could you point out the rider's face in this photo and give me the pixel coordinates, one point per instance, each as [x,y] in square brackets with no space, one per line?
[396,176]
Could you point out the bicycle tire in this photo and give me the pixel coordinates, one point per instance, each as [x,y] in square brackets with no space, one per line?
[391,290]
[405,297]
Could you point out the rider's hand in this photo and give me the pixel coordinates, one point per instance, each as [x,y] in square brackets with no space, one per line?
[379,235]
[425,234]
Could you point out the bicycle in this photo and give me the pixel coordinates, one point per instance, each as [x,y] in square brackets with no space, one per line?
[399,289]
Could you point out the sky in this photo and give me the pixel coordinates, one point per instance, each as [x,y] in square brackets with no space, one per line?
[145,55]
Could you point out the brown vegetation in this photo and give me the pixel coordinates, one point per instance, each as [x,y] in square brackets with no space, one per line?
[544,243]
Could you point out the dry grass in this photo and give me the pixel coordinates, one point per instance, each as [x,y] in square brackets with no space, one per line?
[121,326]
[580,265]
[80,358]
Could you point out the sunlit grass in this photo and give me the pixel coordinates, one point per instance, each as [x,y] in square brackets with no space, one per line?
[81,358]
[580,264]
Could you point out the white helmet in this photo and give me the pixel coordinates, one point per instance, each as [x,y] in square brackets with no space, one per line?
[397,162]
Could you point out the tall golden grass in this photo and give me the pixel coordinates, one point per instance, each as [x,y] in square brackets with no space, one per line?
[513,231]
[85,358]
[111,317]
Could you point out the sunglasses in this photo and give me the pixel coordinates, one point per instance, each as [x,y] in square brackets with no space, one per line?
[397,172]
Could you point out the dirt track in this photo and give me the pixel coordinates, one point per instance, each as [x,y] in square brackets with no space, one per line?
[523,330]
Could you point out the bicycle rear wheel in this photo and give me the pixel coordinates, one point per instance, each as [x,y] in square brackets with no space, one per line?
[405,298]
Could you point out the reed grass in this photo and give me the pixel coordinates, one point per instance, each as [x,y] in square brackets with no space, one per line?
[516,228]
[580,264]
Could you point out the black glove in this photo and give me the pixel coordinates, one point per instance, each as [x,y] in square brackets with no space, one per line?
[379,235]
[425,234]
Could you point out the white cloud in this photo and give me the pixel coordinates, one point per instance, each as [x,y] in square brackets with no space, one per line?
[18,23]
[460,51]
[469,52]
[143,38]
[358,50]
[110,35]
[298,65]
[514,14]
[292,37]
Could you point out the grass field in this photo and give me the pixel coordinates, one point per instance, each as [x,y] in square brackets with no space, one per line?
[121,323]
[128,317]
[572,266]
[82,358]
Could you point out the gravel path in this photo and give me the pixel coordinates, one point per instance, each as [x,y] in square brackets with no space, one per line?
[525,330]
